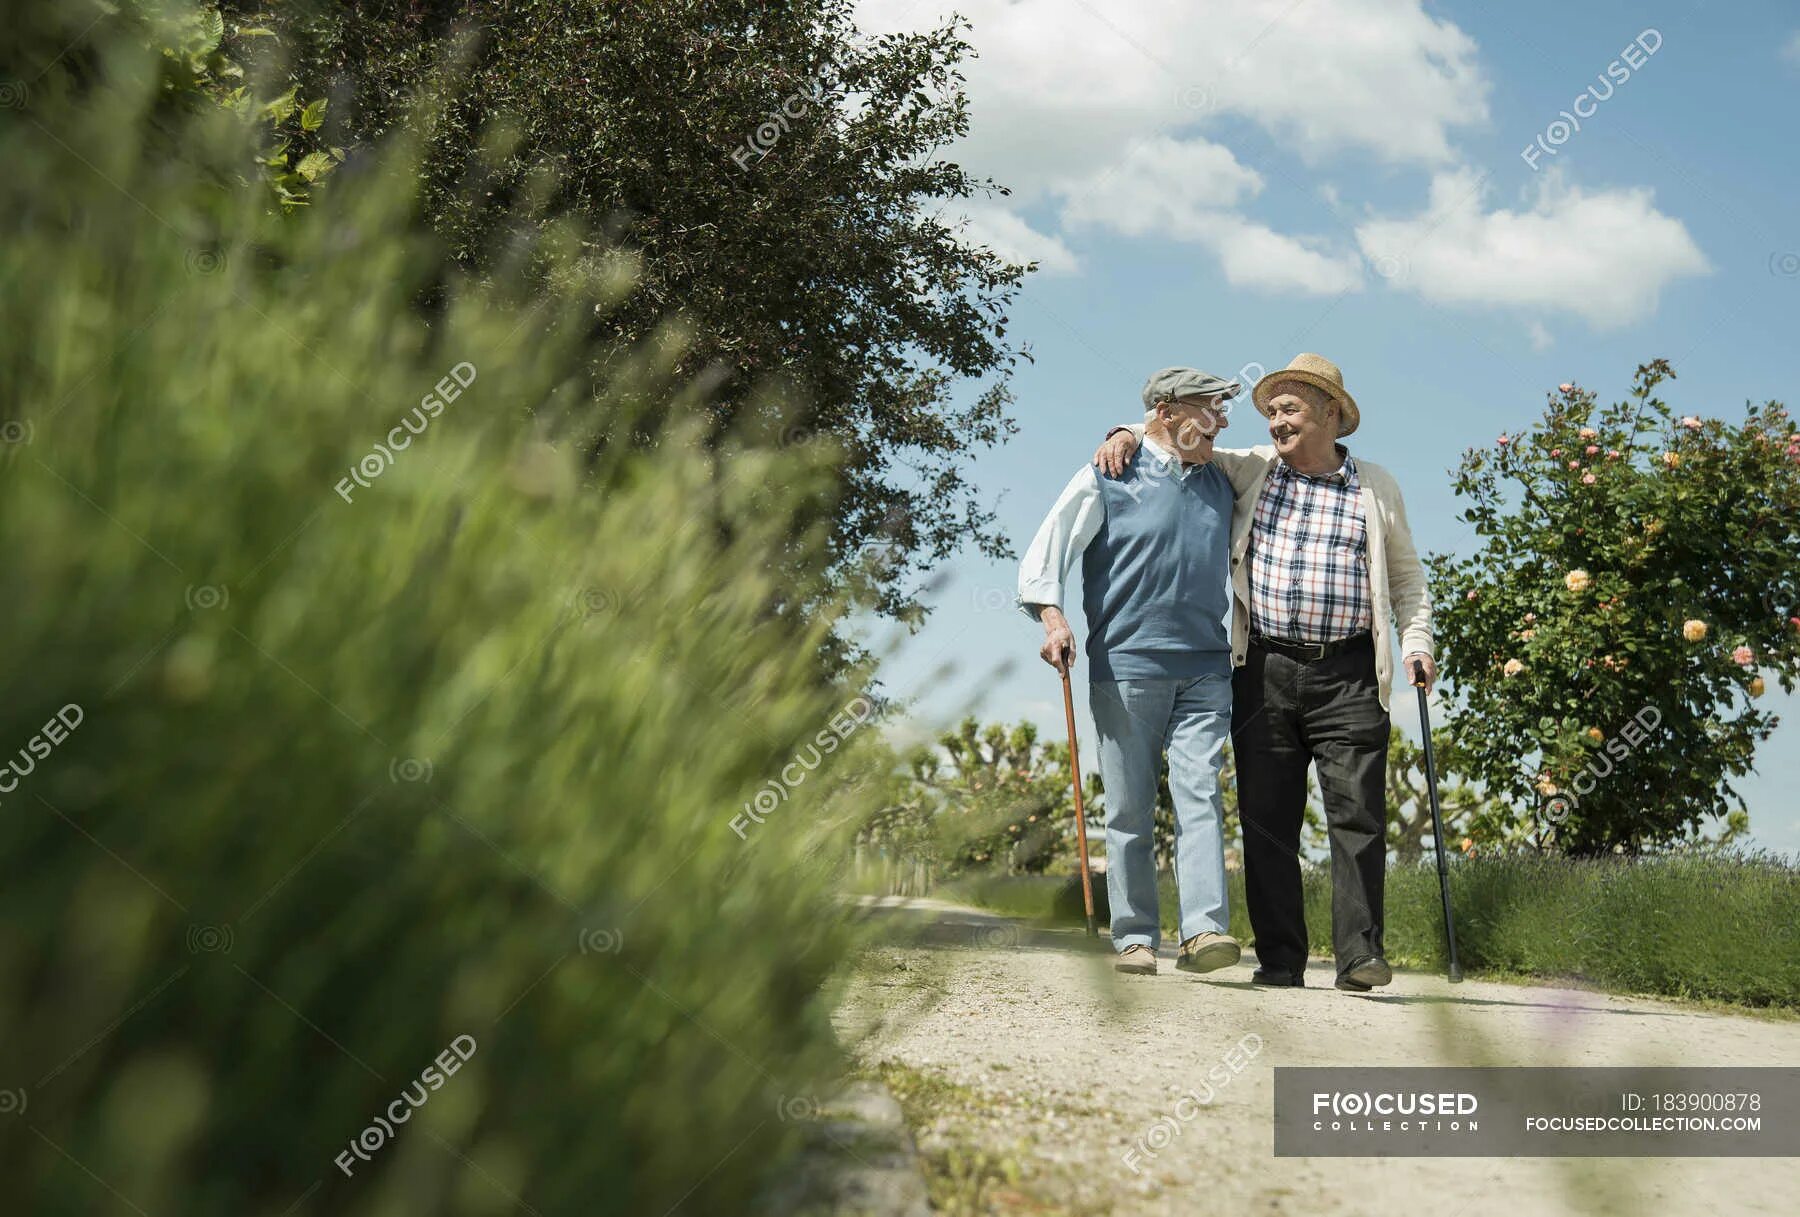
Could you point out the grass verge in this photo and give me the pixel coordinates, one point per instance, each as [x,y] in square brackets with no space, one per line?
[1704,927]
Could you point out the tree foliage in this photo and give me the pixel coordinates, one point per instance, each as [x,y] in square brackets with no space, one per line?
[1468,814]
[290,153]
[994,798]
[1634,591]
[777,178]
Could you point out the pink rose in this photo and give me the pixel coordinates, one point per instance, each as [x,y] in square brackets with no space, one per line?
[1588,433]
[1503,441]
[1587,479]
[1743,656]
[1612,454]
[1691,423]
[1565,387]
[1574,464]
[1556,452]
[1472,596]
[1591,449]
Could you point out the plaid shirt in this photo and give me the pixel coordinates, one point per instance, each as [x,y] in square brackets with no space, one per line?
[1309,574]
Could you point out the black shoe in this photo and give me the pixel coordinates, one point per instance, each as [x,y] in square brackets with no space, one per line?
[1364,974]
[1278,978]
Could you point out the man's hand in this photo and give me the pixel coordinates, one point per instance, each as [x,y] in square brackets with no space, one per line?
[1059,640]
[1419,659]
[1115,453]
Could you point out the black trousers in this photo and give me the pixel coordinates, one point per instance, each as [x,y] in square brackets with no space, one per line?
[1285,714]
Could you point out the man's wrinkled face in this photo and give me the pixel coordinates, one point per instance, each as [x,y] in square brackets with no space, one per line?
[1194,422]
[1302,418]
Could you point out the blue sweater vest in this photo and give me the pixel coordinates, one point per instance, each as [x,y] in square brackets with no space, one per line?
[1154,577]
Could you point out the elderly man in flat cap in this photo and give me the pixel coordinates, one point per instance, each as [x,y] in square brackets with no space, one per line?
[1321,558]
[1152,545]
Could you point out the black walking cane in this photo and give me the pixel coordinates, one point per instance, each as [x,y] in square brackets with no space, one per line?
[1087,883]
[1437,821]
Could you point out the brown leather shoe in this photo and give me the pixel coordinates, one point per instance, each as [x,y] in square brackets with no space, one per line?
[1208,952]
[1137,960]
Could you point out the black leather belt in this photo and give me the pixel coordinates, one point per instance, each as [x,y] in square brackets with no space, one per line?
[1310,652]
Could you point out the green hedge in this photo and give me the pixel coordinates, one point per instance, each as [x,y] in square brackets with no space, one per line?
[1717,927]
[353,777]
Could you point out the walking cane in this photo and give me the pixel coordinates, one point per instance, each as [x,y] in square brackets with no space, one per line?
[1087,882]
[1437,822]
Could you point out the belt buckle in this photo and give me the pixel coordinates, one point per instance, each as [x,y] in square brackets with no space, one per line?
[1316,646]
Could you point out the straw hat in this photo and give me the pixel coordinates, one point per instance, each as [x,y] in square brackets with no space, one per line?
[1321,373]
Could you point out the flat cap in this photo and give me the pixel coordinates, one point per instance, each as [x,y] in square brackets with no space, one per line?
[1187,382]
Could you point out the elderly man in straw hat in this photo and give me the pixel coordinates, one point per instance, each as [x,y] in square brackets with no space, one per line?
[1321,558]
[1152,544]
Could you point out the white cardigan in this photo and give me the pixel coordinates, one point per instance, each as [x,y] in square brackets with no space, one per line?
[1396,578]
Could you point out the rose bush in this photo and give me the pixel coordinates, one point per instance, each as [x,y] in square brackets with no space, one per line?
[1606,641]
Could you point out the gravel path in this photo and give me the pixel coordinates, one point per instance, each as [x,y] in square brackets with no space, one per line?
[1062,1067]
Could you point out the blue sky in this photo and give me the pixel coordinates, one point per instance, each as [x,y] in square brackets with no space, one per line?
[1232,183]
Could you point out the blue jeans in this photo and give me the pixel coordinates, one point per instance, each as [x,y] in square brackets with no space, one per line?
[1137,721]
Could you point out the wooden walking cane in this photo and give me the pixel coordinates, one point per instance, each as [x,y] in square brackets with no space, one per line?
[1087,882]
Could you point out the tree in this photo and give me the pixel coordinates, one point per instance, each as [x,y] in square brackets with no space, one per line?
[1634,591]
[997,798]
[1467,813]
[774,177]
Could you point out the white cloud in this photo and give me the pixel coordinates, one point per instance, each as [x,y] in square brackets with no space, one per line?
[1186,190]
[1061,87]
[1162,187]
[1604,255]
[1256,256]
[1100,111]
[1012,238]
[1112,118]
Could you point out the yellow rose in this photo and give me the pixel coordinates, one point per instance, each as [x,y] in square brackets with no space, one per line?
[1671,459]
[1595,734]
[1578,581]
[1757,686]
[1693,629]
[1513,667]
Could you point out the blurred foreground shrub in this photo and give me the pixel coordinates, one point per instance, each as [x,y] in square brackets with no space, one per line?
[375,741]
